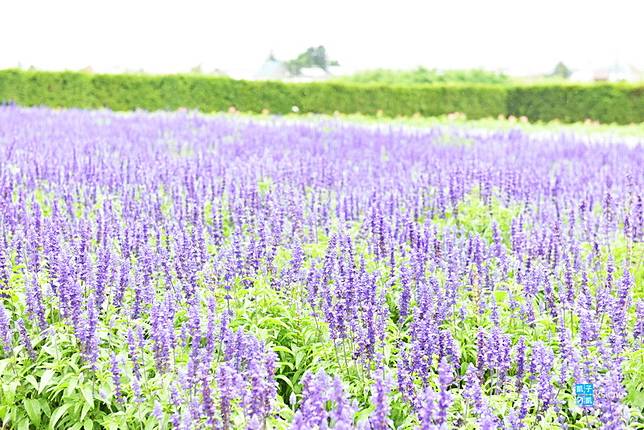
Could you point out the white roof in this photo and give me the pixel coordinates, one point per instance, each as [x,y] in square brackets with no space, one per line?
[272,69]
[314,72]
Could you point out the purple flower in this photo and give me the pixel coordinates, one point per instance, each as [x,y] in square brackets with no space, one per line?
[132,350]
[520,356]
[342,412]
[207,401]
[315,394]
[133,229]
[116,378]
[136,389]
[89,333]
[157,412]
[473,392]
[541,367]
[101,276]
[35,305]
[488,421]
[445,378]
[524,404]
[263,387]
[428,410]
[229,383]
[121,287]
[379,418]
[5,330]
[609,399]
[405,294]
[638,330]
[26,340]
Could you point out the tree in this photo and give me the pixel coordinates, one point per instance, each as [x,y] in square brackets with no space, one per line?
[561,71]
[312,57]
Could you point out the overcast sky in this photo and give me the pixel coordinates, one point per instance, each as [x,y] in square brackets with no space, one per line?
[520,37]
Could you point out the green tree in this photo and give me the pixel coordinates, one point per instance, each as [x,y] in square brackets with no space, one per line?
[312,57]
[561,71]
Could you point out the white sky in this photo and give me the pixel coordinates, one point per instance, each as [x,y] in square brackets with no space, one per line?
[519,36]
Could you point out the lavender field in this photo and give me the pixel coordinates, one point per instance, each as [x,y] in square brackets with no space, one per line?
[180,271]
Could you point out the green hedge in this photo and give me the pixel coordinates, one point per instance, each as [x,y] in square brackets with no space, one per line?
[607,103]
[618,103]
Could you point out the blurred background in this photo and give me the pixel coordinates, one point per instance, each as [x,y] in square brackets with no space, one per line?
[406,41]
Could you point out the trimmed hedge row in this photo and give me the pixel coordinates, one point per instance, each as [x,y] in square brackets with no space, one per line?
[620,103]
[607,103]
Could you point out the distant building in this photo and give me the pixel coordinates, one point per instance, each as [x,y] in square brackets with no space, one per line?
[616,72]
[272,69]
[218,72]
[582,75]
[309,74]
[276,70]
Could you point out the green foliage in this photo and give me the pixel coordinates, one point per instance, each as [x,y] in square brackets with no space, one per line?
[618,103]
[608,103]
[634,379]
[474,216]
[421,75]
[561,71]
[312,57]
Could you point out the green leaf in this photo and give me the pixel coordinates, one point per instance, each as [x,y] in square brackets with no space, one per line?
[3,365]
[88,395]
[500,296]
[281,364]
[86,408]
[9,391]
[636,399]
[44,407]
[286,380]
[32,380]
[32,407]
[88,424]
[58,413]
[152,424]
[45,379]
[71,386]
[23,424]
[282,348]
[299,356]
